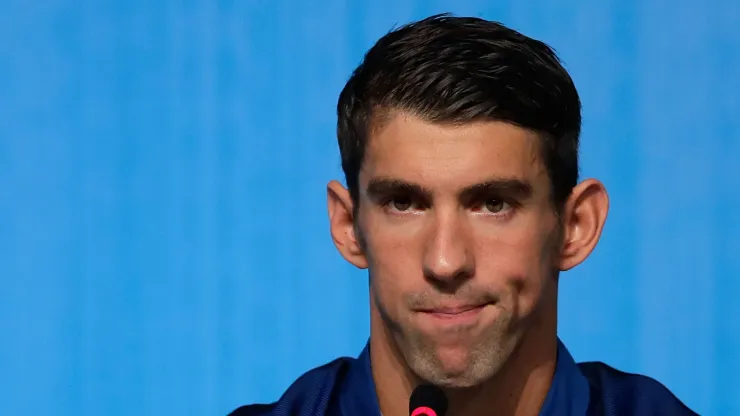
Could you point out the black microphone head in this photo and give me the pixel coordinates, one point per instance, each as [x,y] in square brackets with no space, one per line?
[427,400]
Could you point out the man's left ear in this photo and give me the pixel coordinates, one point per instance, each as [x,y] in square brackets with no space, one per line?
[584,216]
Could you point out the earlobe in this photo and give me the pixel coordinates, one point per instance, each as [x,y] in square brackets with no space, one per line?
[584,216]
[342,224]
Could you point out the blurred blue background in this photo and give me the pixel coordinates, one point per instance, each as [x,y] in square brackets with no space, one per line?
[164,245]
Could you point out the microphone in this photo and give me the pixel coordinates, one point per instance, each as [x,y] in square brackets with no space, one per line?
[427,400]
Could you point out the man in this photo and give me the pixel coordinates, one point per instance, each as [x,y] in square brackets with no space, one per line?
[459,142]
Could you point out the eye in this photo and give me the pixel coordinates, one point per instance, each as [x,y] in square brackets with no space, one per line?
[400,204]
[495,206]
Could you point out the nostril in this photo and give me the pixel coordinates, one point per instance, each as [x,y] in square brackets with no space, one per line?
[447,281]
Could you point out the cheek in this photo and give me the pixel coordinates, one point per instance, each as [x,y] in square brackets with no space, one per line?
[393,263]
[520,262]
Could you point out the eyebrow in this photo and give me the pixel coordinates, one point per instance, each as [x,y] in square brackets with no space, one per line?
[511,187]
[380,187]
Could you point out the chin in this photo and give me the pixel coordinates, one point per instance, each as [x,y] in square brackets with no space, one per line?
[455,378]
[458,383]
[451,367]
[454,359]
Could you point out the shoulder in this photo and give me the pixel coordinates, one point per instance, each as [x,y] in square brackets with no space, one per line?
[616,392]
[310,394]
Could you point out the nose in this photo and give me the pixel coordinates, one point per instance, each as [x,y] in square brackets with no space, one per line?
[448,258]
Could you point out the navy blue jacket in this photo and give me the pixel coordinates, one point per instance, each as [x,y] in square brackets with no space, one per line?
[345,387]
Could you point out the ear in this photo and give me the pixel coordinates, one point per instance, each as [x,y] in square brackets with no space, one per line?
[584,216]
[342,223]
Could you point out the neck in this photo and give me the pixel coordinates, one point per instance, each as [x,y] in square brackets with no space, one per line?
[518,389]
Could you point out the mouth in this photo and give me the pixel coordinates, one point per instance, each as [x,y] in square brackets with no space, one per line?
[452,314]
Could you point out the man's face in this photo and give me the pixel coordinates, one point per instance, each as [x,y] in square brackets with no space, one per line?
[460,239]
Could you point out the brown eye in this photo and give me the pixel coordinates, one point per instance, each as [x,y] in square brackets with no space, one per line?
[495,205]
[401,204]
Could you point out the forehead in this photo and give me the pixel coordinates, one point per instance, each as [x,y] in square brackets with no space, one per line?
[443,155]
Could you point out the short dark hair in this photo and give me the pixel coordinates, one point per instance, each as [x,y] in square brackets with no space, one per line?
[456,70]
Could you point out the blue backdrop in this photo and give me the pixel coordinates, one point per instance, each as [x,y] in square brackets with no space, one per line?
[164,245]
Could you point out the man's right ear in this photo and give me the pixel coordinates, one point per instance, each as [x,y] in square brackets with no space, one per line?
[342,223]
